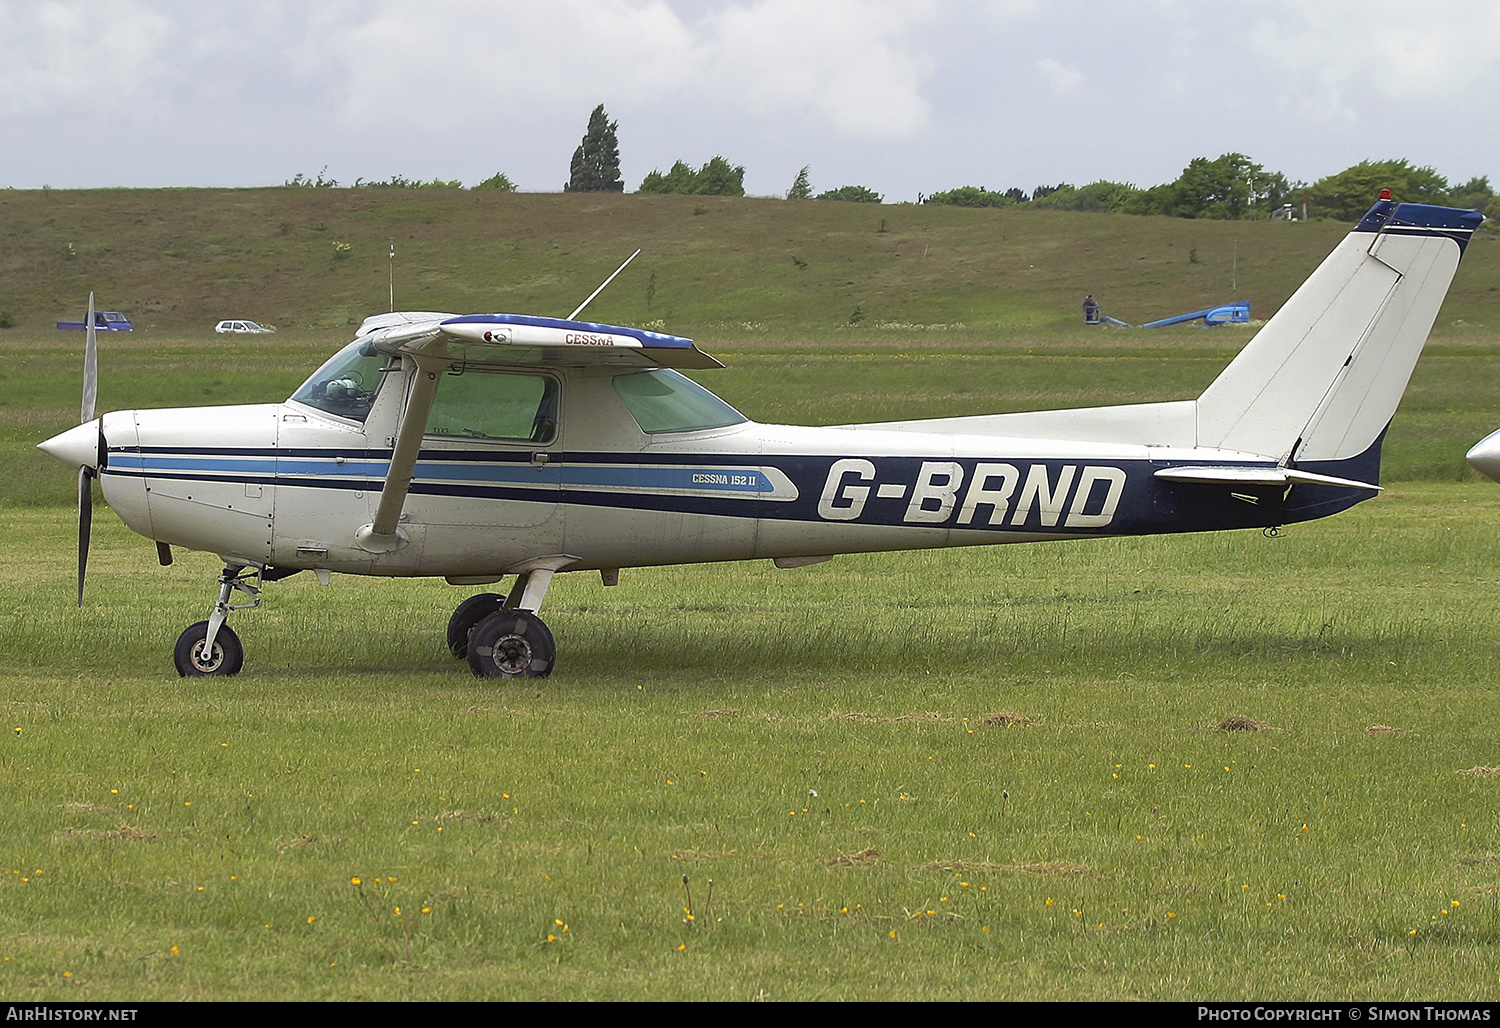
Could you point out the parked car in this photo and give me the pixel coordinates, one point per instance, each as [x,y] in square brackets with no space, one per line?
[241,326]
[104,321]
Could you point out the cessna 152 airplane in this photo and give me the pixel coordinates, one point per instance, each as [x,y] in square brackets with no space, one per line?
[490,445]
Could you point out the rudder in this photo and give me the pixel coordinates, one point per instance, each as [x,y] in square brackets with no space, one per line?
[1322,379]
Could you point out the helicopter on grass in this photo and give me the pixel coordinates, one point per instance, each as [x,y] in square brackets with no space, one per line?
[489,446]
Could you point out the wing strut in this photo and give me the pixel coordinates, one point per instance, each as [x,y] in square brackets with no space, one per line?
[382,535]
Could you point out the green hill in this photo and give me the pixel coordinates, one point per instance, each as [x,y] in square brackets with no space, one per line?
[178,260]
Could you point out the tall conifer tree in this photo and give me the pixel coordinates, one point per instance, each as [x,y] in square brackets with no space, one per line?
[596,162]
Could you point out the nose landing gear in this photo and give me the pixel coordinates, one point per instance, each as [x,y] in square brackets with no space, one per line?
[211,647]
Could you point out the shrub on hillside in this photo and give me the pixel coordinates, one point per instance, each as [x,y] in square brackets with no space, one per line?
[852,194]
[499,181]
[716,178]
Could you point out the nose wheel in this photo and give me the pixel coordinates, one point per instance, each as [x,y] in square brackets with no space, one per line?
[195,657]
[211,647]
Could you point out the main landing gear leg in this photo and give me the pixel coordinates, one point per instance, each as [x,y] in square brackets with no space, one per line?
[507,640]
[211,647]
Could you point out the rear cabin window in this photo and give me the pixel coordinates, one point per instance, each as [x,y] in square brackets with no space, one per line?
[665,401]
[495,405]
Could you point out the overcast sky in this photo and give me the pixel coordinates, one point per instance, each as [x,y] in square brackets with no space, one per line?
[902,96]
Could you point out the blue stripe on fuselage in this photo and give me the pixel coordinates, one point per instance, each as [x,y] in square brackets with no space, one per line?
[1055,496]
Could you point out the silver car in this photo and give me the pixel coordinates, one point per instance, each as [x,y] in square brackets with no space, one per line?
[241,326]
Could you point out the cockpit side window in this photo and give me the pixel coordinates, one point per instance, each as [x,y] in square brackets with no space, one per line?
[666,401]
[496,405]
[347,383]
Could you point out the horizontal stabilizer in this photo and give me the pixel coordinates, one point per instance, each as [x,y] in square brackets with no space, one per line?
[1257,476]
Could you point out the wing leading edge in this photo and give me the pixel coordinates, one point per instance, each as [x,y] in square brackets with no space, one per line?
[518,339]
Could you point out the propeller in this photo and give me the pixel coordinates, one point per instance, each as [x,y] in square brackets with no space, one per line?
[87,474]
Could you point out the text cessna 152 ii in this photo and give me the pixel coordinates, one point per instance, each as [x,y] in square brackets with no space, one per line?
[490,445]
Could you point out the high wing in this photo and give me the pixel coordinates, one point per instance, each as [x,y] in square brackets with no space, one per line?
[437,341]
[517,339]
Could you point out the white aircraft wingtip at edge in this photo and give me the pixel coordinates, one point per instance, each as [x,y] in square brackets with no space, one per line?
[1484,456]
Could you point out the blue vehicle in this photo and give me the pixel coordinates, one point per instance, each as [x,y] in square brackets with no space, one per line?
[1236,313]
[104,321]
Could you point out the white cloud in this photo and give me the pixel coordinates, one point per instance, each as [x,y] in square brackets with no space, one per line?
[101,57]
[1064,79]
[838,63]
[842,64]
[1340,57]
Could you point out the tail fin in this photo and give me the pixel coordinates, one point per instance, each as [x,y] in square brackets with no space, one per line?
[1322,379]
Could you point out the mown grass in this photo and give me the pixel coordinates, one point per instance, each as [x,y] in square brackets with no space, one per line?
[823,744]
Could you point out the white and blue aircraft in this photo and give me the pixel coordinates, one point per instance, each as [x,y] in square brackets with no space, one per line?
[492,445]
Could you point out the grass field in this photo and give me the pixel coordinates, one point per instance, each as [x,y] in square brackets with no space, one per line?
[1013,785]
[1221,766]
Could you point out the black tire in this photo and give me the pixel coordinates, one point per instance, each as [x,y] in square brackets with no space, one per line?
[469,613]
[228,656]
[512,644]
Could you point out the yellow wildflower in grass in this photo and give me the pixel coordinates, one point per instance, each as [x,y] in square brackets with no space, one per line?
[311,918]
[355,881]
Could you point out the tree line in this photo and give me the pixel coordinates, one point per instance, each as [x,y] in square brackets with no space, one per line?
[1230,186]
[1233,186]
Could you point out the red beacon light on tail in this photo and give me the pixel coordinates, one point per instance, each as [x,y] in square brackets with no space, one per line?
[1385,194]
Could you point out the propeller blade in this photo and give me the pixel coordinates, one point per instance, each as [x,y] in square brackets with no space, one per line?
[90,366]
[85,524]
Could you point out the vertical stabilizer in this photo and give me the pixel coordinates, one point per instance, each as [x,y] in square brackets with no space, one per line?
[1322,379]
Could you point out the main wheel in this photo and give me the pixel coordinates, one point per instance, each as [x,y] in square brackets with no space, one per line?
[512,644]
[227,658]
[469,613]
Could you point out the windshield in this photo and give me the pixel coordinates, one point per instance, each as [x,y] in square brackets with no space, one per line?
[665,401]
[347,384]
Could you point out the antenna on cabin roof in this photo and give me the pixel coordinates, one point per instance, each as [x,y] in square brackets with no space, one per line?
[606,282]
[392,274]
